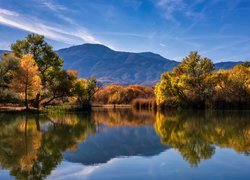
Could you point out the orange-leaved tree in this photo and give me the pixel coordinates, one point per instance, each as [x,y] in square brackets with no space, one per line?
[26,79]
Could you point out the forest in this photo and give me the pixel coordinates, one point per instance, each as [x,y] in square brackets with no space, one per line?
[32,76]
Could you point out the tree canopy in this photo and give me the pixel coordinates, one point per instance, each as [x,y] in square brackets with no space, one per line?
[194,83]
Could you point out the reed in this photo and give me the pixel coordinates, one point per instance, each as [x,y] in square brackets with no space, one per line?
[142,103]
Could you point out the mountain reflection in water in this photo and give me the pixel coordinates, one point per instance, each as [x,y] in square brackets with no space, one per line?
[31,146]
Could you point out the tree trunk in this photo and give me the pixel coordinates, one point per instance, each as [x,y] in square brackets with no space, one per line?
[26,97]
[37,101]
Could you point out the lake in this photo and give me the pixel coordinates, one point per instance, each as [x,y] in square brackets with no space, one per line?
[125,144]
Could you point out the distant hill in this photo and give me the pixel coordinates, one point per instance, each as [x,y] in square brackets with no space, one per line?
[116,67]
[111,66]
[226,65]
[111,143]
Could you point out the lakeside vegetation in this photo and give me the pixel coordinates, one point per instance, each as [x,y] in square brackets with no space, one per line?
[32,75]
[194,83]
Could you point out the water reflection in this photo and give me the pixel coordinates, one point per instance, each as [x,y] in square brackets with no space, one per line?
[31,146]
[120,132]
[195,135]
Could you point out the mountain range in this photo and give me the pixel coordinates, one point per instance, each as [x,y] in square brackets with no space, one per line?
[116,67]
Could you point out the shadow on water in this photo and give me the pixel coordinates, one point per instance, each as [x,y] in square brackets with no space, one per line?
[32,145]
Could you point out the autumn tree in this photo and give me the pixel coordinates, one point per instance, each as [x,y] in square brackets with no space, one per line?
[189,82]
[117,94]
[233,87]
[41,52]
[47,60]
[84,90]
[194,83]
[26,79]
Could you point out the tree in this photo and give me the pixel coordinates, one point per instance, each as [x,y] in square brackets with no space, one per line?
[41,52]
[233,86]
[60,83]
[26,79]
[189,83]
[85,89]
[8,64]
[246,64]
[47,60]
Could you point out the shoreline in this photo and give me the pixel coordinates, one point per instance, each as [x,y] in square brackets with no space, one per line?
[12,108]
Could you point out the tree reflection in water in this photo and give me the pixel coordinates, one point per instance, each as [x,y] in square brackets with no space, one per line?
[195,135]
[31,146]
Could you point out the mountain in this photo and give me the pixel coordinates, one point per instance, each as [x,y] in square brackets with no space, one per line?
[226,65]
[109,66]
[110,143]
[117,67]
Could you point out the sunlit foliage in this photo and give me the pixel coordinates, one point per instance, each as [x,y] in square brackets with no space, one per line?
[194,83]
[84,90]
[117,94]
[26,79]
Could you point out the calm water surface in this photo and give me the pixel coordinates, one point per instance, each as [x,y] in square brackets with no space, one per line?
[125,144]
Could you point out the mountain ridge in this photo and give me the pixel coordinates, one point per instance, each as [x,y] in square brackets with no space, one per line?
[119,67]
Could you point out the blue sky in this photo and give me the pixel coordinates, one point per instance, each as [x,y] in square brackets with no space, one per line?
[218,29]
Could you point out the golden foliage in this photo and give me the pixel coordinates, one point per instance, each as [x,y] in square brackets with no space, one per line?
[26,78]
[194,84]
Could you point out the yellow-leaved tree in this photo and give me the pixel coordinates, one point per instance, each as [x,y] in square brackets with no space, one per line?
[26,79]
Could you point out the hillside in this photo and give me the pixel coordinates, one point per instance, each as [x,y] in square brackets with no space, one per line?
[111,66]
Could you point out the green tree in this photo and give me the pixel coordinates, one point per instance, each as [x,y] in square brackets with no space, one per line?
[41,51]
[47,60]
[246,64]
[60,84]
[8,64]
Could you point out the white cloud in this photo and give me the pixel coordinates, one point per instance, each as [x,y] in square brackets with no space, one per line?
[53,6]
[169,7]
[74,35]
[163,45]
[7,12]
